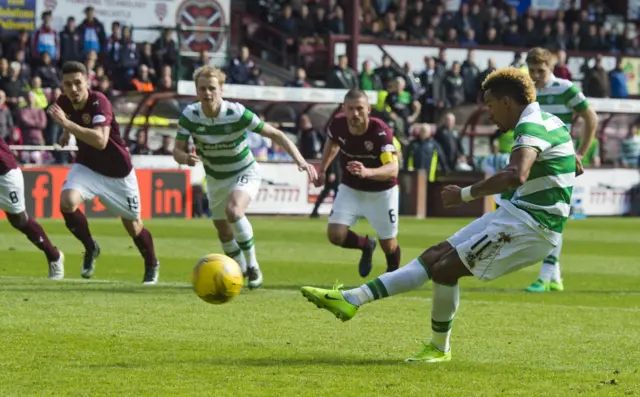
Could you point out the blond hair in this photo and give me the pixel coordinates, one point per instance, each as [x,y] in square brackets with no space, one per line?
[540,55]
[510,82]
[209,71]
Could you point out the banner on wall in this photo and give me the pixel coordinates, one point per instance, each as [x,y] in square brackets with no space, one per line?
[151,13]
[284,189]
[163,194]
[17,15]
[606,191]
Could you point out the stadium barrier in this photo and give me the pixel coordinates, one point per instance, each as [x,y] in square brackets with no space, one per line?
[164,193]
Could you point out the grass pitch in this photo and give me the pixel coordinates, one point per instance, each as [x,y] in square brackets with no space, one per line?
[113,336]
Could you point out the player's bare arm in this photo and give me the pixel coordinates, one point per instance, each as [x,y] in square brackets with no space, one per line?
[591,124]
[384,173]
[281,139]
[510,178]
[97,137]
[329,153]
[181,154]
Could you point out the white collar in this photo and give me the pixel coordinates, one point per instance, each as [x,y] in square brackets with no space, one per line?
[531,108]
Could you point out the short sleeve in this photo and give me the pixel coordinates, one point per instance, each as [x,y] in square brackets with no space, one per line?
[250,121]
[530,135]
[574,99]
[102,112]
[332,130]
[386,139]
[184,127]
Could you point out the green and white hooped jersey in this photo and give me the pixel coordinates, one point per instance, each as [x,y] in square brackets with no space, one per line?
[221,142]
[544,200]
[561,98]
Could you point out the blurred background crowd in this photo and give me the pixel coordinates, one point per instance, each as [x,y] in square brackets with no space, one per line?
[414,99]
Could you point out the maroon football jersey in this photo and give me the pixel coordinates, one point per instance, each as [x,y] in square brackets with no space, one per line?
[114,161]
[366,148]
[7,159]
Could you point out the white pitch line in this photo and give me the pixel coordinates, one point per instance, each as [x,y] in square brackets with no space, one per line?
[291,292]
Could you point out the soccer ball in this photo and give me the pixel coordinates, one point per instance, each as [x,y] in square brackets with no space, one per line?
[217,278]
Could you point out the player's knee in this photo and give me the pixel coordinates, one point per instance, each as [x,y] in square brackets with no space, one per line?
[432,255]
[449,269]
[18,221]
[233,211]
[336,237]
[69,201]
[133,227]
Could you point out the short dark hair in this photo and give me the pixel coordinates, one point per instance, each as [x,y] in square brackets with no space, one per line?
[510,82]
[74,67]
[355,93]
[46,14]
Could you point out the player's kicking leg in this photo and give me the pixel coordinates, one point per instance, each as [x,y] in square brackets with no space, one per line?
[488,248]
[12,202]
[550,278]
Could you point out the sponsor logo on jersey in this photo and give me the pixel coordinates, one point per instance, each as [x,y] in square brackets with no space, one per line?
[98,118]
[388,148]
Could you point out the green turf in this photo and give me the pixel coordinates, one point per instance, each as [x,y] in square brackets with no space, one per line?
[78,338]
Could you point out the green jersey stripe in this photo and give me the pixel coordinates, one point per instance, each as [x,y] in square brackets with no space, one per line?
[554,222]
[226,159]
[546,182]
[555,166]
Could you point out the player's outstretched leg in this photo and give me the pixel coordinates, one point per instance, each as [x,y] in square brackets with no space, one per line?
[34,232]
[344,237]
[144,242]
[392,253]
[550,278]
[440,263]
[77,224]
[243,233]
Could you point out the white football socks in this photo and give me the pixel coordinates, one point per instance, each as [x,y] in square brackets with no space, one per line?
[232,250]
[407,278]
[551,265]
[446,299]
[243,233]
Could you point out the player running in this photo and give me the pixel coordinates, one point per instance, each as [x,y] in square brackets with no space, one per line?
[369,181]
[103,169]
[12,203]
[542,171]
[219,130]
[560,98]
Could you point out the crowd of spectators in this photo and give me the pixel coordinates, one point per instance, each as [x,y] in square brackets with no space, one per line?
[30,79]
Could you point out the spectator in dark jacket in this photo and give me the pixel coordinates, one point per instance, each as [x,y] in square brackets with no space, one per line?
[618,81]
[6,119]
[454,87]
[470,73]
[421,151]
[129,57]
[449,140]
[70,43]
[342,76]
[48,73]
[596,81]
[166,49]
[240,67]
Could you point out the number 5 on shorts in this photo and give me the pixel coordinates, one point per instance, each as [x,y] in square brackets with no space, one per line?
[392,216]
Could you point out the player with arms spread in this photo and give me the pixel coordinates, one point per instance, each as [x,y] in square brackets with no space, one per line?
[12,203]
[103,169]
[562,99]
[219,130]
[542,171]
[369,181]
